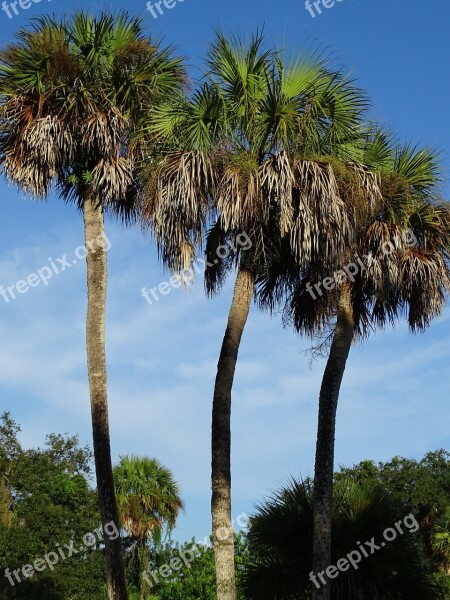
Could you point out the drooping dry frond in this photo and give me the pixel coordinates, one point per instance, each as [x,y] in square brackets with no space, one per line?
[111,178]
[218,263]
[102,132]
[185,179]
[322,224]
[277,181]
[425,277]
[379,248]
[239,197]
[35,153]
[177,212]
[308,309]
[369,182]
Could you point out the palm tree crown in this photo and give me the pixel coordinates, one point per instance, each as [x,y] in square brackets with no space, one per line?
[74,95]
[148,497]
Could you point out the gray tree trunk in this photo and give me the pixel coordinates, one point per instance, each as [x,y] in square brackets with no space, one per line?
[324,467]
[96,261]
[221,436]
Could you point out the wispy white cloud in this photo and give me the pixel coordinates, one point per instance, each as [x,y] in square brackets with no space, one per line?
[162,363]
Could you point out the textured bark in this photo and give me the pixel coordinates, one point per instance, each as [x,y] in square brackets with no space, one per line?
[324,467]
[96,358]
[221,436]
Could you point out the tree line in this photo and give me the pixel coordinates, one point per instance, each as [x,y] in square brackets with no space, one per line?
[48,501]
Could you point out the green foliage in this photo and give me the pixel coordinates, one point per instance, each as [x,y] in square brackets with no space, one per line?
[50,503]
[149,501]
[421,487]
[197,580]
[281,536]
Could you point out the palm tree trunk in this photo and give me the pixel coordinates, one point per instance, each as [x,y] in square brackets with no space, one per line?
[323,473]
[96,359]
[221,436]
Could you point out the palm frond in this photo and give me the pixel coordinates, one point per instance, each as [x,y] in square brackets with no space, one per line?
[178,210]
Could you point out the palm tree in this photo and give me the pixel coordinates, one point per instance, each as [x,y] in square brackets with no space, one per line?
[243,151]
[441,541]
[281,547]
[149,501]
[73,97]
[395,276]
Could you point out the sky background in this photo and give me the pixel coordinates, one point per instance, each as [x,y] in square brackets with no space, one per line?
[162,358]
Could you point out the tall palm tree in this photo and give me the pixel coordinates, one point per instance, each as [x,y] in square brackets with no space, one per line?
[281,547]
[73,97]
[395,276]
[149,501]
[243,151]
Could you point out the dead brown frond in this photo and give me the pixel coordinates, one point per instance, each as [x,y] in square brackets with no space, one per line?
[277,181]
[425,278]
[178,205]
[238,197]
[379,248]
[369,182]
[35,152]
[112,177]
[103,132]
[322,224]
[309,311]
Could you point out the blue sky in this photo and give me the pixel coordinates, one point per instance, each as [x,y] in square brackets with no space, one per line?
[162,358]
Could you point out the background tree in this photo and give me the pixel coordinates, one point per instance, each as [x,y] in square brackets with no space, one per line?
[51,503]
[73,96]
[421,487]
[149,502]
[199,580]
[440,541]
[9,450]
[281,547]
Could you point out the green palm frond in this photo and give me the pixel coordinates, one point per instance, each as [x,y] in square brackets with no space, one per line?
[147,495]
[280,547]
[419,167]
[239,71]
[195,123]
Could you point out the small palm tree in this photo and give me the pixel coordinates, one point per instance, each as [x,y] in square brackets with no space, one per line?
[395,276]
[73,97]
[441,541]
[149,501]
[243,151]
[281,548]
